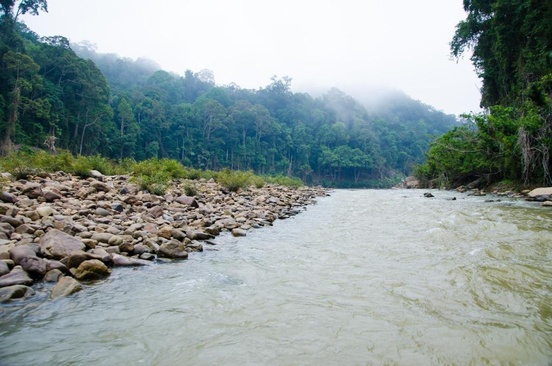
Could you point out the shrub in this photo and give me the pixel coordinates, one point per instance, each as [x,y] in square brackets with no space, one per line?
[234,180]
[190,189]
[286,181]
[155,183]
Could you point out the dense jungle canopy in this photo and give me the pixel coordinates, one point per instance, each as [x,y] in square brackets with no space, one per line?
[511,41]
[95,103]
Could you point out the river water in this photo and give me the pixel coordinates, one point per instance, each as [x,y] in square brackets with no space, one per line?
[367,277]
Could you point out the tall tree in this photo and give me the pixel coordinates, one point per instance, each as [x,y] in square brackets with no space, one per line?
[23,75]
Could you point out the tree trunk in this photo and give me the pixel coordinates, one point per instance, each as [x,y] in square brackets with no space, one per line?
[7,144]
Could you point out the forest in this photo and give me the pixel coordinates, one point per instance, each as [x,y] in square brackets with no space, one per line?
[91,103]
[511,142]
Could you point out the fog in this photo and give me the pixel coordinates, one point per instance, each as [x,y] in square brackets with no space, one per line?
[361,47]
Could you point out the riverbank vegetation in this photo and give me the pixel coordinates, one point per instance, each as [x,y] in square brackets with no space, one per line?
[153,175]
[54,94]
[512,53]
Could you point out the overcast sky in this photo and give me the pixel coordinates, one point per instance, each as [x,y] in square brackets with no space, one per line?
[351,44]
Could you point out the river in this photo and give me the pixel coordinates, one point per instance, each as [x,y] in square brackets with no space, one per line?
[365,277]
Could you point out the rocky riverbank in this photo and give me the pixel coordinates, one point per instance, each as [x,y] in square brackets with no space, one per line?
[66,230]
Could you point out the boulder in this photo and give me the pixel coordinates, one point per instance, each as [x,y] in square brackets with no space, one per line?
[165,232]
[44,211]
[173,249]
[4,269]
[126,247]
[17,276]
[198,235]
[100,211]
[65,287]
[187,201]
[428,195]
[32,190]
[178,234]
[6,229]
[96,174]
[7,197]
[75,259]
[13,221]
[92,269]
[52,275]
[122,261]
[141,249]
[543,191]
[34,266]
[115,240]
[238,232]
[100,186]
[51,196]
[102,237]
[156,211]
[547,203]
[102,255]
[15,292]
[25,229]
[56,244]
[117,207]
[540,194]
[58,266]
[19,252]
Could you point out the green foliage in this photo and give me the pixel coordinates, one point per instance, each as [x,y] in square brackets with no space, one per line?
[234,180]
[165,167]
[285,181]
[132,111]
[189,188]
[156,183]
[512,54]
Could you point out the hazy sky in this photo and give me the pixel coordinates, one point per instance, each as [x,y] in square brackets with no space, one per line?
[351,44]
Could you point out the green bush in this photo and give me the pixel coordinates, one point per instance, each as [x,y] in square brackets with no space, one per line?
[234,180]
[190,189]
[170,167]
[155,183]
[285,181]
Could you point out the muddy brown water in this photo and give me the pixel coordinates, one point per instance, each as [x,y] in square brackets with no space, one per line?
[364,277]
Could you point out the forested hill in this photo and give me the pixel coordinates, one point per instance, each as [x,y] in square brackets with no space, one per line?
[123,108]
[511,44]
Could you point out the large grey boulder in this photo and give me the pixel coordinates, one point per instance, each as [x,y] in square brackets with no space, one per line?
[20,252]
[541,194]
[17,276]
[34,266]
[56,244]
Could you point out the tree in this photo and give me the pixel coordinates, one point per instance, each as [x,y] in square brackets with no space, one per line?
[128,128]
[10,10]
[23,75]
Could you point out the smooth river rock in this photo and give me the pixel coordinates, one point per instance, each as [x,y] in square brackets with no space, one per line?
[17,276]
[15,292]
[20,252]
[65,287]
[173,249]
[92,269]
[57,244]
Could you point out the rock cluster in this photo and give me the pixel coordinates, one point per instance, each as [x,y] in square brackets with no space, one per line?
[66,230]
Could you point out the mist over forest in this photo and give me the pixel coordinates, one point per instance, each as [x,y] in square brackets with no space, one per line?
[121,108]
